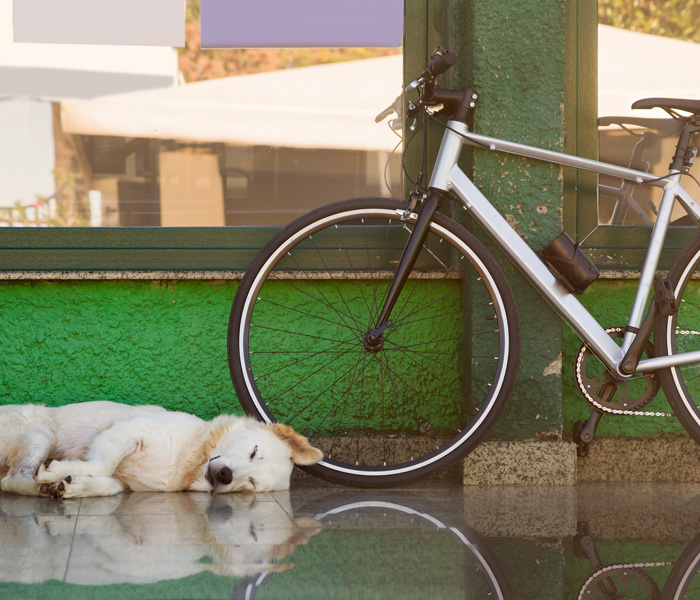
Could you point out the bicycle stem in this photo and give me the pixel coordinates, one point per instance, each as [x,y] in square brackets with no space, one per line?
[409,256]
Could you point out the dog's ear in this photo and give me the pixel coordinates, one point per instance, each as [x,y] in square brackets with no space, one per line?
[303,453]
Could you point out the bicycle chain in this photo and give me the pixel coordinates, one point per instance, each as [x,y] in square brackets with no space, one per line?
[605,409]
[606,568]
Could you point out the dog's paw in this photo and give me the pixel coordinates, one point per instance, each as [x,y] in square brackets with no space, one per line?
[59,489]
[46,475]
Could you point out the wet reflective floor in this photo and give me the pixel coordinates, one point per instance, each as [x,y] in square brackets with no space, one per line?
[594,541]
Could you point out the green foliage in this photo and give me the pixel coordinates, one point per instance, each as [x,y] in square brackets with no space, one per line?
[669,18]
[192,11]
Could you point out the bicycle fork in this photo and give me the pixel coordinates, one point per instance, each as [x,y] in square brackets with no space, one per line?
[374,340]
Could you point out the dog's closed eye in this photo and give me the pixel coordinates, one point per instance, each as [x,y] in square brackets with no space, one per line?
[255,451]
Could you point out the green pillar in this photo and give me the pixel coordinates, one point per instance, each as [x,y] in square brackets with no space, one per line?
[514,55]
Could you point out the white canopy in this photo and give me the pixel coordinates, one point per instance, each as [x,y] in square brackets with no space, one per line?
[323,106]
[330,106]
[632,66]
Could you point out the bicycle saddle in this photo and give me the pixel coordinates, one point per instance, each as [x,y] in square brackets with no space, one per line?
[691,106]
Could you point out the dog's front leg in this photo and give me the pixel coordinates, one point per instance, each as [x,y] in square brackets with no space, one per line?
[83,486]
[103,456]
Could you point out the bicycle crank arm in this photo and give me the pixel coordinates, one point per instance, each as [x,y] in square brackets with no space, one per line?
[585,430]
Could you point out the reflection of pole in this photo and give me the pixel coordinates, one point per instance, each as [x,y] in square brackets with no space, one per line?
[70,173]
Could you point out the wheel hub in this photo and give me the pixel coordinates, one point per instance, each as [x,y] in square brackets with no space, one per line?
[373,343]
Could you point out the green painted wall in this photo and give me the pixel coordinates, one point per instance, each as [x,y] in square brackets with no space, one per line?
[129,341]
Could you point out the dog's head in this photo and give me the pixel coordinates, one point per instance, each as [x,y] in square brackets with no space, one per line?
[248,456]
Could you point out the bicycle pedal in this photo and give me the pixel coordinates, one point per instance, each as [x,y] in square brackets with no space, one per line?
[584,431]
[582,447]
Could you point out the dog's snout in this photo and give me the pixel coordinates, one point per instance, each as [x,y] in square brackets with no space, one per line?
[224,476]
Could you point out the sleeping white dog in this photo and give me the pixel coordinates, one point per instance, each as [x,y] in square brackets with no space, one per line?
[103,448]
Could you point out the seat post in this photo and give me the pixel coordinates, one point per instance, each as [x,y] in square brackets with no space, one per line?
[684,156]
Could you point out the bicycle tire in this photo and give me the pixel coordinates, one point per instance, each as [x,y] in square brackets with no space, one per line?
[314,291]
[681,333]
[682,582]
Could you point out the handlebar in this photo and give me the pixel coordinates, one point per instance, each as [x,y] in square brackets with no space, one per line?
[445,60]
[458,102]
[440,65]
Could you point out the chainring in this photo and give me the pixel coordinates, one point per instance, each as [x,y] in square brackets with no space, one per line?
[613,582]
[606,393]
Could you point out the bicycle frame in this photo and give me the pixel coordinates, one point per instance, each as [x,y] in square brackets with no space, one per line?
[448,177]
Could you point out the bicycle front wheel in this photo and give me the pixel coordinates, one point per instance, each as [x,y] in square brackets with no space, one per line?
[386,413]
[681,333]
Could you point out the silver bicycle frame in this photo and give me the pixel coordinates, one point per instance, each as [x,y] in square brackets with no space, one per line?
[447,176]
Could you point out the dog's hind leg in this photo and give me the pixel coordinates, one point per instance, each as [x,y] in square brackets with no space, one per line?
[103,456]
[30,455]
[83,486]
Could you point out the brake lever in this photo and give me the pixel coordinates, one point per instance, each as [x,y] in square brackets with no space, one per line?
[396,106]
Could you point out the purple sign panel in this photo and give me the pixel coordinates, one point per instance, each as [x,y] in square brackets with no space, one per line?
[301,23]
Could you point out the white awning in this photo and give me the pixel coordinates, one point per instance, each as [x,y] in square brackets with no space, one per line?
[324,106]
[632,66]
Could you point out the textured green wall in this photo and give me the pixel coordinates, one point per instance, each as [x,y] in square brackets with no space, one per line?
[165,343]
[514,55]
[128,341]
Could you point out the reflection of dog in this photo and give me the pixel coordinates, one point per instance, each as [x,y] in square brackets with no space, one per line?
[103,448]
[145,538]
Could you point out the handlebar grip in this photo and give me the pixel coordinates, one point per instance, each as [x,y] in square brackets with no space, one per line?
[442,64]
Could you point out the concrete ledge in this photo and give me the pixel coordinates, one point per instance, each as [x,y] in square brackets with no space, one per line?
[672,460]
[118,275]
[521,463]
[661,460]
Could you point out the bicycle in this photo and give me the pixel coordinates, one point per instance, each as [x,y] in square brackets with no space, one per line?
[389,321]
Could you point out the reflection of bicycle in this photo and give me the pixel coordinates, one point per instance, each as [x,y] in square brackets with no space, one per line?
[388,333]
[632,580]
[629,196]
[684,583]
[611,581]
[379,544]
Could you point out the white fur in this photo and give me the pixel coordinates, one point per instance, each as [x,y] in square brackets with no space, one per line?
[103,448]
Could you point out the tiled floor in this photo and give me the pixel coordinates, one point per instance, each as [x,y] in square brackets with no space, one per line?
[597,541]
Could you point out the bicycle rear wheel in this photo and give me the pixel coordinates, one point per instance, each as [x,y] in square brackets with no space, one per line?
[388,414]
[681,333]
[683,582]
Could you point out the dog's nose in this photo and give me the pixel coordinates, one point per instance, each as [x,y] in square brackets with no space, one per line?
[224,476]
